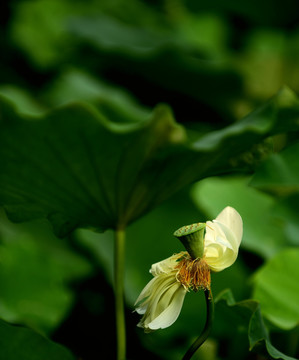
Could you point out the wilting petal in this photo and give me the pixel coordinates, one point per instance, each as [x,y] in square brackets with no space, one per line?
[142,301]
[154,288]
[163,306]
[168,316]
[165,266]
[161,300]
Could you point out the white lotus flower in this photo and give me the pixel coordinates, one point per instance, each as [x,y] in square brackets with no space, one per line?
[161,300]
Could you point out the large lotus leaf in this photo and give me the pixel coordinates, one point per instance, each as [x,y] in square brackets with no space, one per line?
[280,173]
[17,342]
[248,314]
[276,287]
[79,169]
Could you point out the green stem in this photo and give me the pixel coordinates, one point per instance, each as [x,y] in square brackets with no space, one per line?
[208,325]
[119,267]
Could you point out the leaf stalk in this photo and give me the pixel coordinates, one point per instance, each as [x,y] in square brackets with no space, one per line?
[119,267]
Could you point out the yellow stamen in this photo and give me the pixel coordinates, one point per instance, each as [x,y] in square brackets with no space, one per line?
[193,274]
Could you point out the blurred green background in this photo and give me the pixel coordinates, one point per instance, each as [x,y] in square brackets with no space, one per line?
[212,62]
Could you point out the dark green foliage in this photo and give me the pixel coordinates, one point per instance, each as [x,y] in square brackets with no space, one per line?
[84,143]
[18,342]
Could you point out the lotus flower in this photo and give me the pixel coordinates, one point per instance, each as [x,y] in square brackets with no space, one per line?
[161,300]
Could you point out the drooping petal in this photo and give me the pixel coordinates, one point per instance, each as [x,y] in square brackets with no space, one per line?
[171,312]
[163,292]
[159,303]
[153,290]
[142,301]
[161,300]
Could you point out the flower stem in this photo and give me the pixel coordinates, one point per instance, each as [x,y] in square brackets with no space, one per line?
[119,267]
[208,325]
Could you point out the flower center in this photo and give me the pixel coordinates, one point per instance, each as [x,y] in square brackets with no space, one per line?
[193,274]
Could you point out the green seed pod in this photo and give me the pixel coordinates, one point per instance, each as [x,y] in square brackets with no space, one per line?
[192,237]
